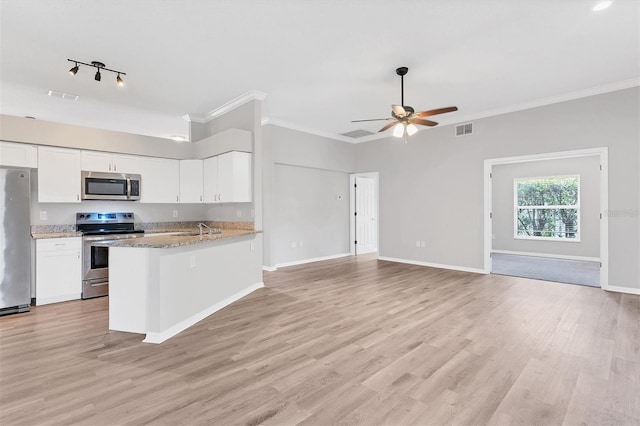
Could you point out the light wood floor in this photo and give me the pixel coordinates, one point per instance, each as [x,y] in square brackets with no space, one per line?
[349,341]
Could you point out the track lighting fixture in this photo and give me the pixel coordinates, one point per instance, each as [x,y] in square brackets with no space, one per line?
[99,67]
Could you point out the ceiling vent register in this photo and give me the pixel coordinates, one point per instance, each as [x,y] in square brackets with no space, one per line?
[62,95]
[464,129]
[360,133]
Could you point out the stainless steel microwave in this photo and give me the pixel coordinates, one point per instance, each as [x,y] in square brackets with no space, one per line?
[110,186]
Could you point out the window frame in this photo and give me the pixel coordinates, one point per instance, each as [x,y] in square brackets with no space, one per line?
[517,207]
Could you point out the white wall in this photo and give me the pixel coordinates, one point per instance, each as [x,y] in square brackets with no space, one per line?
[311,213]
[300,171]
[588,168]
[432,187]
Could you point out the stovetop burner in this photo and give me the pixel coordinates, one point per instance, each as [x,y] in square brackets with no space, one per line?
[106,223]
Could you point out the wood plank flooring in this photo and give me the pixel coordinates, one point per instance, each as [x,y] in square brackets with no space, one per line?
[352,341]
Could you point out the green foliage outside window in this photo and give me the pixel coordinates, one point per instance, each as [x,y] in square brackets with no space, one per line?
[548,207]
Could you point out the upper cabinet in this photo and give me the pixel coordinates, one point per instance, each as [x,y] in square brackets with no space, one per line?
[234,177]
[58,175]
[191,181]
[160,180]
[18,155]
[227,178]
[107,162]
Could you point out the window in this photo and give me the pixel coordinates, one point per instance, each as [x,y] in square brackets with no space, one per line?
[547,208]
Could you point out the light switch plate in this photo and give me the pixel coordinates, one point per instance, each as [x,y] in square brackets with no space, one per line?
[43,215]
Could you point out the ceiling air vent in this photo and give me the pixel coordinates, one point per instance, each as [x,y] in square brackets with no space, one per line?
[358,133]
[62,95]
[464,129]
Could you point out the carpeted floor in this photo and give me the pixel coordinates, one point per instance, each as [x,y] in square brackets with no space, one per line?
[547,269]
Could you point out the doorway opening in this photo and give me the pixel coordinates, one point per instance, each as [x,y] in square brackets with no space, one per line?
[545,217]
[363,212]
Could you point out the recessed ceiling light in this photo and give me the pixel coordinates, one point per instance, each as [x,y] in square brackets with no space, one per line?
[602,6]
[178,138]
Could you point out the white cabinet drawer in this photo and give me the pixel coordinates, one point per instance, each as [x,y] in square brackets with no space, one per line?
[55,244]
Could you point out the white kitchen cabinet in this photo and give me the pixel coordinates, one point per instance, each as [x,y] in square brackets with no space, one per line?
[18,155]
[160,180]
[96,161]
[227,178]
[58,175]
[234,177]
[210,180]
[58,270]
[191,172]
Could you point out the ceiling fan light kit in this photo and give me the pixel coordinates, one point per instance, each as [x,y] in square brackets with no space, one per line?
[99,67]
[404,118]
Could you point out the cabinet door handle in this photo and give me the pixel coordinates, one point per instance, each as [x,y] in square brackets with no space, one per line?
[201,198]
[177,197]
[109,166]
[114,167]
[78,197]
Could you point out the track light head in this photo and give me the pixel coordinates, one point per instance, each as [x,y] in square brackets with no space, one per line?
[119,80]
[74,70]
[98,77]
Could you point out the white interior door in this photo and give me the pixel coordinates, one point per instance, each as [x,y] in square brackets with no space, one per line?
[365,218]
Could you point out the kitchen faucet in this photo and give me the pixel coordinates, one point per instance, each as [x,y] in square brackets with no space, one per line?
[202,225]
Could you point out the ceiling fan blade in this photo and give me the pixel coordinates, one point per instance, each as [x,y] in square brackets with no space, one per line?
[387,127]
[372,119]
[435,111]
[422,122]
[398,111]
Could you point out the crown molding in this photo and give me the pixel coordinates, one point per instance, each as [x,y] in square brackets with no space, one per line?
[251,95]
[578,94]
[194,118]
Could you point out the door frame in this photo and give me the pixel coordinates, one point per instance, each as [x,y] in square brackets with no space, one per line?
[602,153]
[352,208]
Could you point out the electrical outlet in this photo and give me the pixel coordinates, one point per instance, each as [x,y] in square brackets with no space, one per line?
[238,213]
[423,244]
[418,244]
[299,243]
[192,261]
[294,244]
[251,246]
[253,213]
[43,215]
[175,213]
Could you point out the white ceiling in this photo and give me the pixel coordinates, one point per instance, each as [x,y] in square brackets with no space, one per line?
[322,63]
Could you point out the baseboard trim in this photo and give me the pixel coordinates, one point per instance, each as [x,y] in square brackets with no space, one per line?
[547,255]
[269,268]
[434,265]
[315,259]
[57,299]
[618,289]
[159,337]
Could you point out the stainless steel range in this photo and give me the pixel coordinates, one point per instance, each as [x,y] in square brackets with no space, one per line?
[95,260]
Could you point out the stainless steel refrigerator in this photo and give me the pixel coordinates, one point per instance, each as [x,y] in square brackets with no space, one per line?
[15,241]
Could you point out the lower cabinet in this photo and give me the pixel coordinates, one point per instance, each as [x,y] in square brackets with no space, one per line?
[58,270]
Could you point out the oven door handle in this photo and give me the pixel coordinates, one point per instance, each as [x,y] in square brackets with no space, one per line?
[128,187]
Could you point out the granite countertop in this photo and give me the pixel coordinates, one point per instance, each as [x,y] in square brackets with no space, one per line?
[150,228]
[55,235]
[171,241]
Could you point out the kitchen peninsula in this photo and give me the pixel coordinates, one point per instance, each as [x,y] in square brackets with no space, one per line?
[160,285]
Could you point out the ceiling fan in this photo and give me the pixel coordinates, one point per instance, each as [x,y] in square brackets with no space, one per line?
[404,118]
